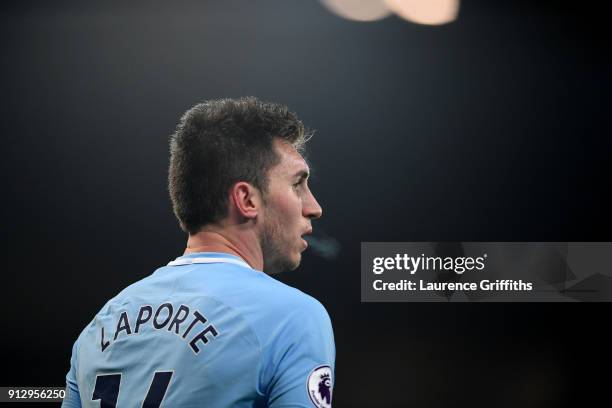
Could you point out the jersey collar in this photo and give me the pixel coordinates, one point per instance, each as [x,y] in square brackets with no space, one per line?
[208,258]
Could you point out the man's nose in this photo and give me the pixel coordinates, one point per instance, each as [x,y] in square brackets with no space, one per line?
[312,209]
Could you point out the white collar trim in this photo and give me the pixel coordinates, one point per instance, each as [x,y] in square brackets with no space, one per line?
[189,261]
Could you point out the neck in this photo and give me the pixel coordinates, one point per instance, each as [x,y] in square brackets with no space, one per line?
[227,242]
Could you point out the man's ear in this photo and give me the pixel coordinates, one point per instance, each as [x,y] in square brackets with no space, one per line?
[246,198]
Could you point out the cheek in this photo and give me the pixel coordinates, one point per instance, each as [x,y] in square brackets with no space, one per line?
[289,207]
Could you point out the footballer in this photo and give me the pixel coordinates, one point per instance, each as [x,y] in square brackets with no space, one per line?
[212,328]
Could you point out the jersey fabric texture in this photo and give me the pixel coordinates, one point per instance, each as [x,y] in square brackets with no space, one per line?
[205,331]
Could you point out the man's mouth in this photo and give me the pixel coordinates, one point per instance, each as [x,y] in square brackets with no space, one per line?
[305,237]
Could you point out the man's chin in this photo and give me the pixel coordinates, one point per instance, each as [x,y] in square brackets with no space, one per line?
[283,265]
[295,265]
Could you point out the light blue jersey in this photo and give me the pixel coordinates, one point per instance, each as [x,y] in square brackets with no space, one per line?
[205,331]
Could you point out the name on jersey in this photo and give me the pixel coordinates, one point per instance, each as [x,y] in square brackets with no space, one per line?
[186,323]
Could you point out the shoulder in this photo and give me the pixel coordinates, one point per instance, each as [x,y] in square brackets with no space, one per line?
[301,342]
[119,302]
[291,302]
[296,314]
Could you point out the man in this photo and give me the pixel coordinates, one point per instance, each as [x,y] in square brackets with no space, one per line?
[211,329]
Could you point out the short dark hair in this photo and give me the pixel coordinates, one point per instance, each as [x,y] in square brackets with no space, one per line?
[220,142]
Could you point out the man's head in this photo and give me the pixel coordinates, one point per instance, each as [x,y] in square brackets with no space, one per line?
[224,148]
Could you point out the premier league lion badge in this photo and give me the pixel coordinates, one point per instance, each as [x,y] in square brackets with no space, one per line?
[320,385]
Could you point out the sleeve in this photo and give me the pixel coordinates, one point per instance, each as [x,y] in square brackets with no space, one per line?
[302,360]
[72,398]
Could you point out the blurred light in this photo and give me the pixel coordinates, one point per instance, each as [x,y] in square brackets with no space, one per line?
[359,10]
[430,12]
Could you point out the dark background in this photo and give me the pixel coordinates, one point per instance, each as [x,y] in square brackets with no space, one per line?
[491,128]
